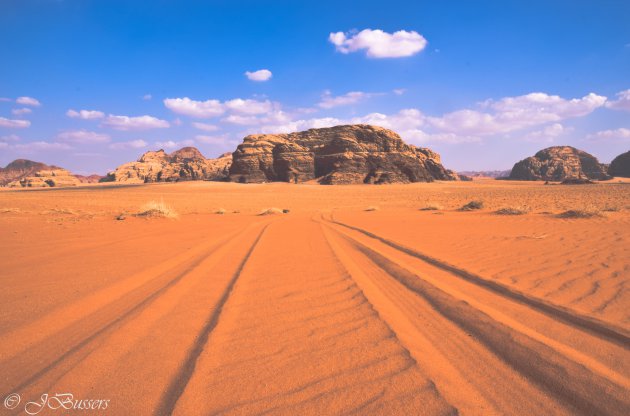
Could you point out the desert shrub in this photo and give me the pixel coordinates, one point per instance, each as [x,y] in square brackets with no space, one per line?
[432,207]
[372,208]
[579,213]
[472,205]
[220,211]
[512,211]
[157,209]
[270,211]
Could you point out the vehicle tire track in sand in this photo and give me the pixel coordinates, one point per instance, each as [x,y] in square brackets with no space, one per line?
[297,336]
[598,327]
[580,388]
[56,344]
[180,381]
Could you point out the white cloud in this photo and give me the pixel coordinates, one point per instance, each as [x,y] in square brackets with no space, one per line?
[127,123]
[132,144]
[41,145]
[622,102]
[85,114]
[379,44]
[83,137]
[170,144]
[399,91]
[238,105]
[622,134]
[21,111]
[205,126]
[548,134]
[242,120]
[14,124]
[261,75]
[330,101]
[147,97]
[28,101]
[9,138]
[515,113]
[192,108]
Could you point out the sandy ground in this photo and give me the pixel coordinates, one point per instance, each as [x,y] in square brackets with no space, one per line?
[327,309]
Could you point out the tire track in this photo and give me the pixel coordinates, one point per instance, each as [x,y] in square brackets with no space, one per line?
[84,330]
[595,326]
[581,389]
[180,381]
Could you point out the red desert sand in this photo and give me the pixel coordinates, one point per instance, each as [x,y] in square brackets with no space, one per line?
[375,300]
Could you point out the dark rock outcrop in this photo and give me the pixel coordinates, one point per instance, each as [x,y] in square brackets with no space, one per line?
[336,155]
[186,164]
[620,166]
[557,164]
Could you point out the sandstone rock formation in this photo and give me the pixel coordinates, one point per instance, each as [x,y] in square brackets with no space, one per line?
[21,168]
[620,166]
[557,164]
[336,155]
[47,178]
[182,165]
[89,178]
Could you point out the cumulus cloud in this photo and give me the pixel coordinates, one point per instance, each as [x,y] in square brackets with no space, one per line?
[14,124]
[170,144]
[622,102]
[132,144]
[9,138]
[399,91]
[239,105]
[127,123]
[28,101]
[85,114]
[515,113]
[205,126]
[219,140]
[83,137]
[192,108]
[41,145]
[379,44]
[622,134]
[21,111]
[548,134]
[261,75]
[330,101]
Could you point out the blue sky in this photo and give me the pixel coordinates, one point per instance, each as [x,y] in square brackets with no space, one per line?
[484,83]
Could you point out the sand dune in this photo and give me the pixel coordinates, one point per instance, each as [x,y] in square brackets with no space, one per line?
[329,309]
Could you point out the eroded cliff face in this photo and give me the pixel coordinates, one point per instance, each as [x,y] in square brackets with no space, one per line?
[557,164]
[185,164]
[336,155]
[47,178]
[620,166]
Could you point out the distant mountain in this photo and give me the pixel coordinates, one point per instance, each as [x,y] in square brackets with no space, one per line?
[486,173]
[94,178]
[185,164]
[620,166]
[558,163]
[28,174]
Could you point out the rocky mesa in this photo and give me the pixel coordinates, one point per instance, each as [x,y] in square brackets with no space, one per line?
[28,174]
[185,164]
[337,155]
[620,166]
[558,163]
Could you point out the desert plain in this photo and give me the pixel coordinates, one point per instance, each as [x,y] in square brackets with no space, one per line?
[358,300]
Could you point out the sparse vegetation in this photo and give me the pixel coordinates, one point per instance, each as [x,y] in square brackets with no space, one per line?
[286,211]
[220,211]
[271,211]
[372,208]
[472,205]
[611,209]
[157,209]
[580,213]
[432,207]
[9,210]
[512,211]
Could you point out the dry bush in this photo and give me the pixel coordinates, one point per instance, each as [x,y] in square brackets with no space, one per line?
[512,211]
[270,211]
[372,208]
[220,211]
[9,210]
[157,209]
[611,209]
[580,213]
[432,207]
[472,205]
